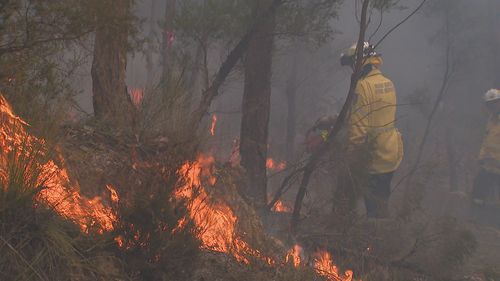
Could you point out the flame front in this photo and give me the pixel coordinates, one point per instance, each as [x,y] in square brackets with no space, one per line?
[58,193]
[216,222]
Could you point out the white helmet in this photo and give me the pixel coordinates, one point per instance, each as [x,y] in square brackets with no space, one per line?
[492,95]
[349,57]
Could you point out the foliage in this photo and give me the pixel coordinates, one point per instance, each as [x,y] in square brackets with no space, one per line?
[43,45]
[212,24]
[228,20]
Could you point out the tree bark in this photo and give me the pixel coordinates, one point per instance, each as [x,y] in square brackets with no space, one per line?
[452,161]
[168,35]
[495,41]
[111,101]
[150,50]
[256,107]
[291,94]
[227,66]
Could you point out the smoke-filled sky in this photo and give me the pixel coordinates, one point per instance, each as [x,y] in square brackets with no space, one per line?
[414,58]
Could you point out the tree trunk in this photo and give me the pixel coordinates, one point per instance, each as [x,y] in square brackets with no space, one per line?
[314,160]
[150,50]
[452,161]
[291,93]
[168,35]
[256,108]
[111,101]
[495,41]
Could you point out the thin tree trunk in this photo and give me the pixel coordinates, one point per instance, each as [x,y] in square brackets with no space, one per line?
[168,35]
[449,70]
[494,34]
[291,93]
[256,108]
[194,77]
[452,161]
[344,114]
[111,101]
[150,51]
[227,66]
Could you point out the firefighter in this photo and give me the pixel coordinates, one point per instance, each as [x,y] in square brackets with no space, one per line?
[486,189]
[318,134]
[372,135]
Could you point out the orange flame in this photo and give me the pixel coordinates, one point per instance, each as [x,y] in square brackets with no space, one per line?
[272,165]
[58,192]
[281,207]
[137,95]
[294,256]
[214,125]
[113,193]
[323,264]
[215,221]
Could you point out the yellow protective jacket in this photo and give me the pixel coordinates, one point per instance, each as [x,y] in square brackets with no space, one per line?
[372,122]
[489,156]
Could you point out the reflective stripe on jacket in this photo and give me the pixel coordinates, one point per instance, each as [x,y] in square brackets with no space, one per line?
[489,156]
[372,122]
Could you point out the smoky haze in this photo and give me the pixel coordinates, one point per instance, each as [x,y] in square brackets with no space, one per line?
[414,58]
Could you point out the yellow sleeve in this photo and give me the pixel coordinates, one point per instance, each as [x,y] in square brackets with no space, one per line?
[359,119]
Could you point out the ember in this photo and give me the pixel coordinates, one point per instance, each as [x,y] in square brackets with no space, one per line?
[281,207]
[272,165]
[137,95]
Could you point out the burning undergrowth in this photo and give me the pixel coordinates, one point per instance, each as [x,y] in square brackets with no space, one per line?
[38,241]
[158,214]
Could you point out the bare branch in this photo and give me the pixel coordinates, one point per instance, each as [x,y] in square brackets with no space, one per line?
[315,158]
[401,23]
[227,66]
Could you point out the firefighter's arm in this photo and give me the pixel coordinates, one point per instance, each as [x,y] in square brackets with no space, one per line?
[358,121]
